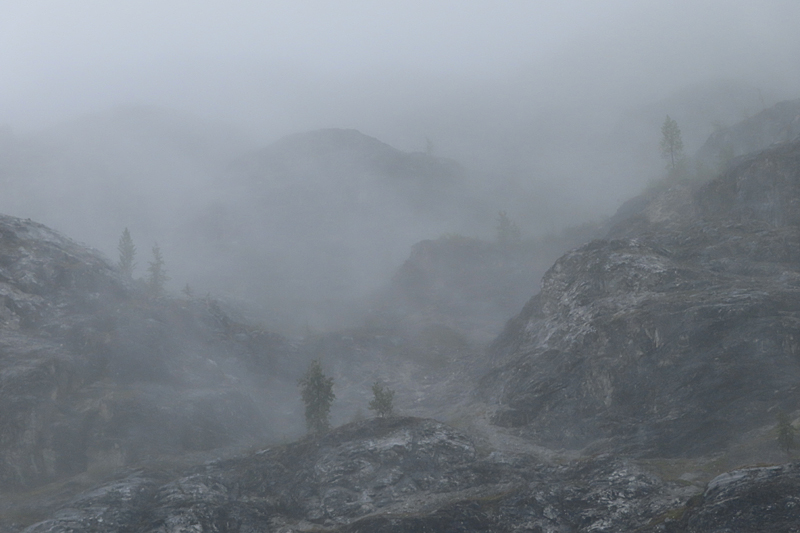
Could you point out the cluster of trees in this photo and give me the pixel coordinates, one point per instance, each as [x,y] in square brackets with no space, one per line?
[157,274]
[316,390]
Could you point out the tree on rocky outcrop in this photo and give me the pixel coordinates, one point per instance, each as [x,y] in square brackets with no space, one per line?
[383,400]
[127,254]
[507,231]
[671,144]
[786,433]
[317,391]
[158,278]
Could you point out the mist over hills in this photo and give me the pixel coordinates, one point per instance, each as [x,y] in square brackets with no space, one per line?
[316,217]
[536,311]
[318,221]
[625,396]
[139,166]
[306,227]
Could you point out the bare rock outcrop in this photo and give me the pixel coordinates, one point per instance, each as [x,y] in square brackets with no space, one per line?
[381,475]
[676,335]
[96,374]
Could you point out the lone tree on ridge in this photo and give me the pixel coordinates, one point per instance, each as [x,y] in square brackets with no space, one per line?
[127,254]
[671,144]
[382,402]
[317,391]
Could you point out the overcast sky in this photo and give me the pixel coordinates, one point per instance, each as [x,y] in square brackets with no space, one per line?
[290,66]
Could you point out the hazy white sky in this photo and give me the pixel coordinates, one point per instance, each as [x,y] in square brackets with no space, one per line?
[305,64]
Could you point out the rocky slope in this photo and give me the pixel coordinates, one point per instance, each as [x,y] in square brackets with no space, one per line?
[402,475]
[651,362]
[675,336]
[381,475]
[752,499]
[95,374]
[778,124]
[471,285]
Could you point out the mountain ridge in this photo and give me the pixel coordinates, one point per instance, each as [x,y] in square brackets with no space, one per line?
[649,338]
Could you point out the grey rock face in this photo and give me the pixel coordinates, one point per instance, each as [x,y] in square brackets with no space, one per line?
[93,374]
[778,124]
[472,284]
[743,501]
[675,337]
[384,475]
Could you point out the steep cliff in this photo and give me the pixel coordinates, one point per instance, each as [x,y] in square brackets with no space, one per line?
[677,334]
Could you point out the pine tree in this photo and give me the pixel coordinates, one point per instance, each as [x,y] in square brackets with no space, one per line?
[317,392]
[671,144]
[127,254]
[382,402]
[158,275]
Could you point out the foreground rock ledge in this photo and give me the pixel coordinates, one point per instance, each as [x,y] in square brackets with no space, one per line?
[396,474]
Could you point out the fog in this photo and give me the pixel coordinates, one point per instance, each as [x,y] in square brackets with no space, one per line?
[156,116]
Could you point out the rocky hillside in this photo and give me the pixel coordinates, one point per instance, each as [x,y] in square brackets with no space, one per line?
[404,475]
[471,285]
[95,374]
[676,335]
[628,395]
[382,475]
[778,124]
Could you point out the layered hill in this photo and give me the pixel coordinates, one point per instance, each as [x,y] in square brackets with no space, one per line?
[675,335]
[471,285]
[315,222]
[311,222]
[97,374]
[652,361]
[778,124]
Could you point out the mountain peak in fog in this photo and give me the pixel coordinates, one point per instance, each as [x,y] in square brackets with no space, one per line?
[334,151]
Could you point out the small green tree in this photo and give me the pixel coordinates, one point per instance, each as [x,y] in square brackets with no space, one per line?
[317,392]
[671,144]
[382,401]
[507,231]
[158,275]
[786,433]
[127,254]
